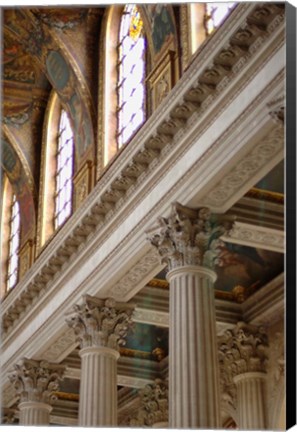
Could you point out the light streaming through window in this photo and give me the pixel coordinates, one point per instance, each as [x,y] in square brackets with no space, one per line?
[215,14]
[131,73]
[14,242]
[63,197]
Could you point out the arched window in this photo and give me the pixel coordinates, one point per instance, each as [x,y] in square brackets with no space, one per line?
[131,74]
[10,237]
[64,171]
[57,168]
[215,14]
[13,244]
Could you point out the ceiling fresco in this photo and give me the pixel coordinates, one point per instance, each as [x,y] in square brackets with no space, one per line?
[34,63]
[62,18]
[148,339]
[21,79]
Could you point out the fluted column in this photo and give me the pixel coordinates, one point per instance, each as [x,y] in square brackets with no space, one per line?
[101,326]
[188,241]
[243,363]
[36,382]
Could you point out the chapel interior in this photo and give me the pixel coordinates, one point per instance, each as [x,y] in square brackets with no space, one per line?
[142,216]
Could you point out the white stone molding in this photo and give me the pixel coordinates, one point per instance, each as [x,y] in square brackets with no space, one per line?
[101,323]
[240,174]
[256,236]
[153,408]
[133,280]
[148,316]
[36,381]
[62,347]
[96,238]
[189,237]
[93,218]
[133,382]
[122,380]
[64,421]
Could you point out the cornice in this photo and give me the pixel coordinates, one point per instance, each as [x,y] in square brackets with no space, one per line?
[159,140]
[256,236]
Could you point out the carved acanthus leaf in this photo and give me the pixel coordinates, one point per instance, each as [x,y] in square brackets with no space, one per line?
[153,405]
[36,381]
[101,323]
[242,349]
[190,237]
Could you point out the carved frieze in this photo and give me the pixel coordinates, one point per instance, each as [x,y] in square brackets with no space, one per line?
[238,175]
[189,237]
[256,236]
[138,272]
[36,381]
[101,323]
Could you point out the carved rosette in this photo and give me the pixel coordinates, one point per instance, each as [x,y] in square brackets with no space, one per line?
[242,349]
[101,323]
[153,405]
[190,237]
[36,381]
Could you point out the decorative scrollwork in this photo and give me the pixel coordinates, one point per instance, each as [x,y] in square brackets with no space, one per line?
[153,405]
[36,381]
[189,237]
[101,323]
[243,349]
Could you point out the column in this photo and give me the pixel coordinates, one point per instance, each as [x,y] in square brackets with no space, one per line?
[101,326]
[153,411]
[243,358]
[36,382]
[188,242]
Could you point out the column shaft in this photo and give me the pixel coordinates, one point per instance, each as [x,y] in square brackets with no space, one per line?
[98,387]
[193,368]
[34,414]
[250,400]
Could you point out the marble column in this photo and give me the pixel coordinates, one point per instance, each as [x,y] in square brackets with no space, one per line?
[36,382]
[188,242]
[243,359]
[101,326]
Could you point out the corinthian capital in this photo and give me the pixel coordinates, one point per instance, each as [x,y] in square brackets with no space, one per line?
[101,323]
[153,404]
[190,236]
[36,381]
[243,349]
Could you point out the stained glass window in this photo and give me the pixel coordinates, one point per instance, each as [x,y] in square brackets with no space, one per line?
[14,242]
[65,153]
[131,74]
[215,14]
